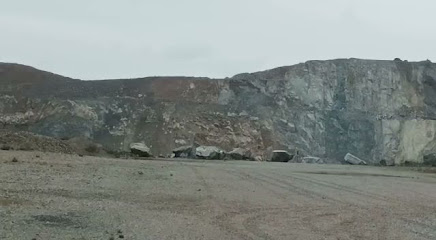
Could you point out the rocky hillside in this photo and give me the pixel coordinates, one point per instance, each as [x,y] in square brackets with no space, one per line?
[376,110]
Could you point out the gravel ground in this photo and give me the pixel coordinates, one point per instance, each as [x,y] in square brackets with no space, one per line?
[55,196]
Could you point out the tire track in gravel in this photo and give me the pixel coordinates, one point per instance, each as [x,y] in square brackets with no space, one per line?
[251,222]
[343,188]
[285,185]
[357,192]
[272,179]
[222,219]
[348,206]
[333,186]
[289,187]
[252,215]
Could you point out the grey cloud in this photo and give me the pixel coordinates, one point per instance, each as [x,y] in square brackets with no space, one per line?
[113,39]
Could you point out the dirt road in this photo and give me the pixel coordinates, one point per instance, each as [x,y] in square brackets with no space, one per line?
[54,196]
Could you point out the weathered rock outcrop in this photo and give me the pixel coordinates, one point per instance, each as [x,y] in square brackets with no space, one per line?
[383,110]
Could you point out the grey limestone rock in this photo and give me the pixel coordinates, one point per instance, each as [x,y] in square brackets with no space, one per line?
[353,160]
[184,152]
[140,149]
[209,152]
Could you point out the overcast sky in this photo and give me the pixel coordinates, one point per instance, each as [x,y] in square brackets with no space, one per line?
[97,39]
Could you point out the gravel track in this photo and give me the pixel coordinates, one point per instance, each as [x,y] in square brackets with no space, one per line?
[58,196]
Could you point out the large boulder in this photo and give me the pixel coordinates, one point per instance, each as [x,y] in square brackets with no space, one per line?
[140,149]
[430,160]
[209,152]
[239,154]
[281,156]
[184,152]
[312,160]
[353,160]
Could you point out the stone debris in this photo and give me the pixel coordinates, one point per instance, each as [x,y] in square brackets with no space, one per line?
[353,160]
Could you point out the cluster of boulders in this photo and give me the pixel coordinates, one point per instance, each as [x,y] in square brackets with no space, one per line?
[200,152]
[295,157]
[215,153]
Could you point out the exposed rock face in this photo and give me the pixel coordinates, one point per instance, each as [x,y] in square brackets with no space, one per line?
[383,110]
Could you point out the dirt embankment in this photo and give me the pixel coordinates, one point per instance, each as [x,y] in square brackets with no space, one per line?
[26,141]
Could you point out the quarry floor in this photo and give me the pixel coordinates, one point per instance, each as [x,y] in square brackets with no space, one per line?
[56,196]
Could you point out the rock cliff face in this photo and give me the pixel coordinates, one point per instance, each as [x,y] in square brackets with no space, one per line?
[376,110]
